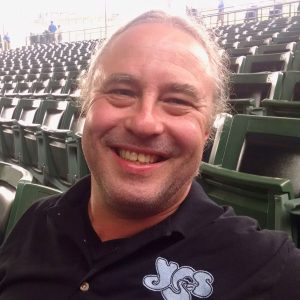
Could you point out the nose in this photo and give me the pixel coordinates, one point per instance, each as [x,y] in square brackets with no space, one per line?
[144,120]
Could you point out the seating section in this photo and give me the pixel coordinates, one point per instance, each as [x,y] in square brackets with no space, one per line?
[40,122]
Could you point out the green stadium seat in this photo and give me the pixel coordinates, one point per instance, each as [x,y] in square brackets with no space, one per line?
[276,48]
[10,175]
[268,62]
[248,89]
[237,64]
[235,52]
[259,173]
[287,103]
[24,111]
[26,194]
[54,144]
[49,116]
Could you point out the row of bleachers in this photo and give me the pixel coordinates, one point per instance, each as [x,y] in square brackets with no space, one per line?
[255,170]
[40,121]
[254,162]
[286,61]
[266,93]
[44,137]
[265,65]
[268,30]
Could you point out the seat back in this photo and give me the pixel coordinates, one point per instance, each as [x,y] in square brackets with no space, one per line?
[267,62]
[26,194]
[10,175]
[253,86]
[266,146]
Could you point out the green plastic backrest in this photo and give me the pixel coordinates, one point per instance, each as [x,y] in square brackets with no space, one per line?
[276,48]
[269,62]
[243,124]
[268,83]
[290,80]
[27,193]
[282,131]
[256,196]
[281,108]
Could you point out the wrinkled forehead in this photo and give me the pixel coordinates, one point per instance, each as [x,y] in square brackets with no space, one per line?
[161,39]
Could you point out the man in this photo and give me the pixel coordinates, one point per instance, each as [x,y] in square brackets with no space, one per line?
[6,42]
[139,227]
[52,29]
[220,13]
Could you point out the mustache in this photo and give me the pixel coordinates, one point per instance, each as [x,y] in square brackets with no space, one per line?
[163,145]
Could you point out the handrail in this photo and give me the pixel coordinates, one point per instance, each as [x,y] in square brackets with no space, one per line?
[289,9]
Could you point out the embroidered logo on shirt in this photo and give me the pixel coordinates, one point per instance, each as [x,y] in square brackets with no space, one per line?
[179,283]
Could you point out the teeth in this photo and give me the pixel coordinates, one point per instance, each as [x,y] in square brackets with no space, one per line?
[139,158]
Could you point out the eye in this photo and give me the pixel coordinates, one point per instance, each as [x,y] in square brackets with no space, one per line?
[122,92]
[179,102]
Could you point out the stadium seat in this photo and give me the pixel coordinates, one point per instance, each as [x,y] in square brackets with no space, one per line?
[10,175]
[245,44]
[235,52]
[49,115]
[237,64]
[287,103]
[24,111]
[53,143]
[276,48]
[259,173]
[248,89]
[26,194]
[268,62]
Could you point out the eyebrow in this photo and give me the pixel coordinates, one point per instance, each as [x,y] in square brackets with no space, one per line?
[184,88]
[119,78]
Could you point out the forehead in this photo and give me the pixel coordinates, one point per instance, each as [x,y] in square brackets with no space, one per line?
[150,41]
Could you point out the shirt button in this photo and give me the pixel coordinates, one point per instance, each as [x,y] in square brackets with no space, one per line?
[84,287]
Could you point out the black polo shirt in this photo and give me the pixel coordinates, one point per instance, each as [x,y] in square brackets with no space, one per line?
[203,251]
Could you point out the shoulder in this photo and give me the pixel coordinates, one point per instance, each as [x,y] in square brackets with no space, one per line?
[38,217]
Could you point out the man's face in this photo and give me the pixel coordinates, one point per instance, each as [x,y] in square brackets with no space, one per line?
[146,129]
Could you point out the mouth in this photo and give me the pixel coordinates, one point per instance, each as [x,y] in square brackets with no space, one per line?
[139,158]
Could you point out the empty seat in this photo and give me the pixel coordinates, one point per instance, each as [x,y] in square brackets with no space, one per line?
[276,48]
[26,194]
[267,62]
[248,89]
[48,115]
[10,175]
[237,64]
[24,112]
[60,163]
[259,173]
[235,52]
[287,103]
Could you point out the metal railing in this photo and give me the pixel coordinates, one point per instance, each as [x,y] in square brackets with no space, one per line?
[256,13]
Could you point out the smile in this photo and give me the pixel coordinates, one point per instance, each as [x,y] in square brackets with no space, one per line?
[139,158]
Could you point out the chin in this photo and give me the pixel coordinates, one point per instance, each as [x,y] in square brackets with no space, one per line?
[139,204]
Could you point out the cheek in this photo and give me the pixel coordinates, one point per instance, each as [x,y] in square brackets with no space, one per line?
[100,118]
[192,134]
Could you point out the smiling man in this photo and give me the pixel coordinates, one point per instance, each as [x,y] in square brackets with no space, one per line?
[139,227]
